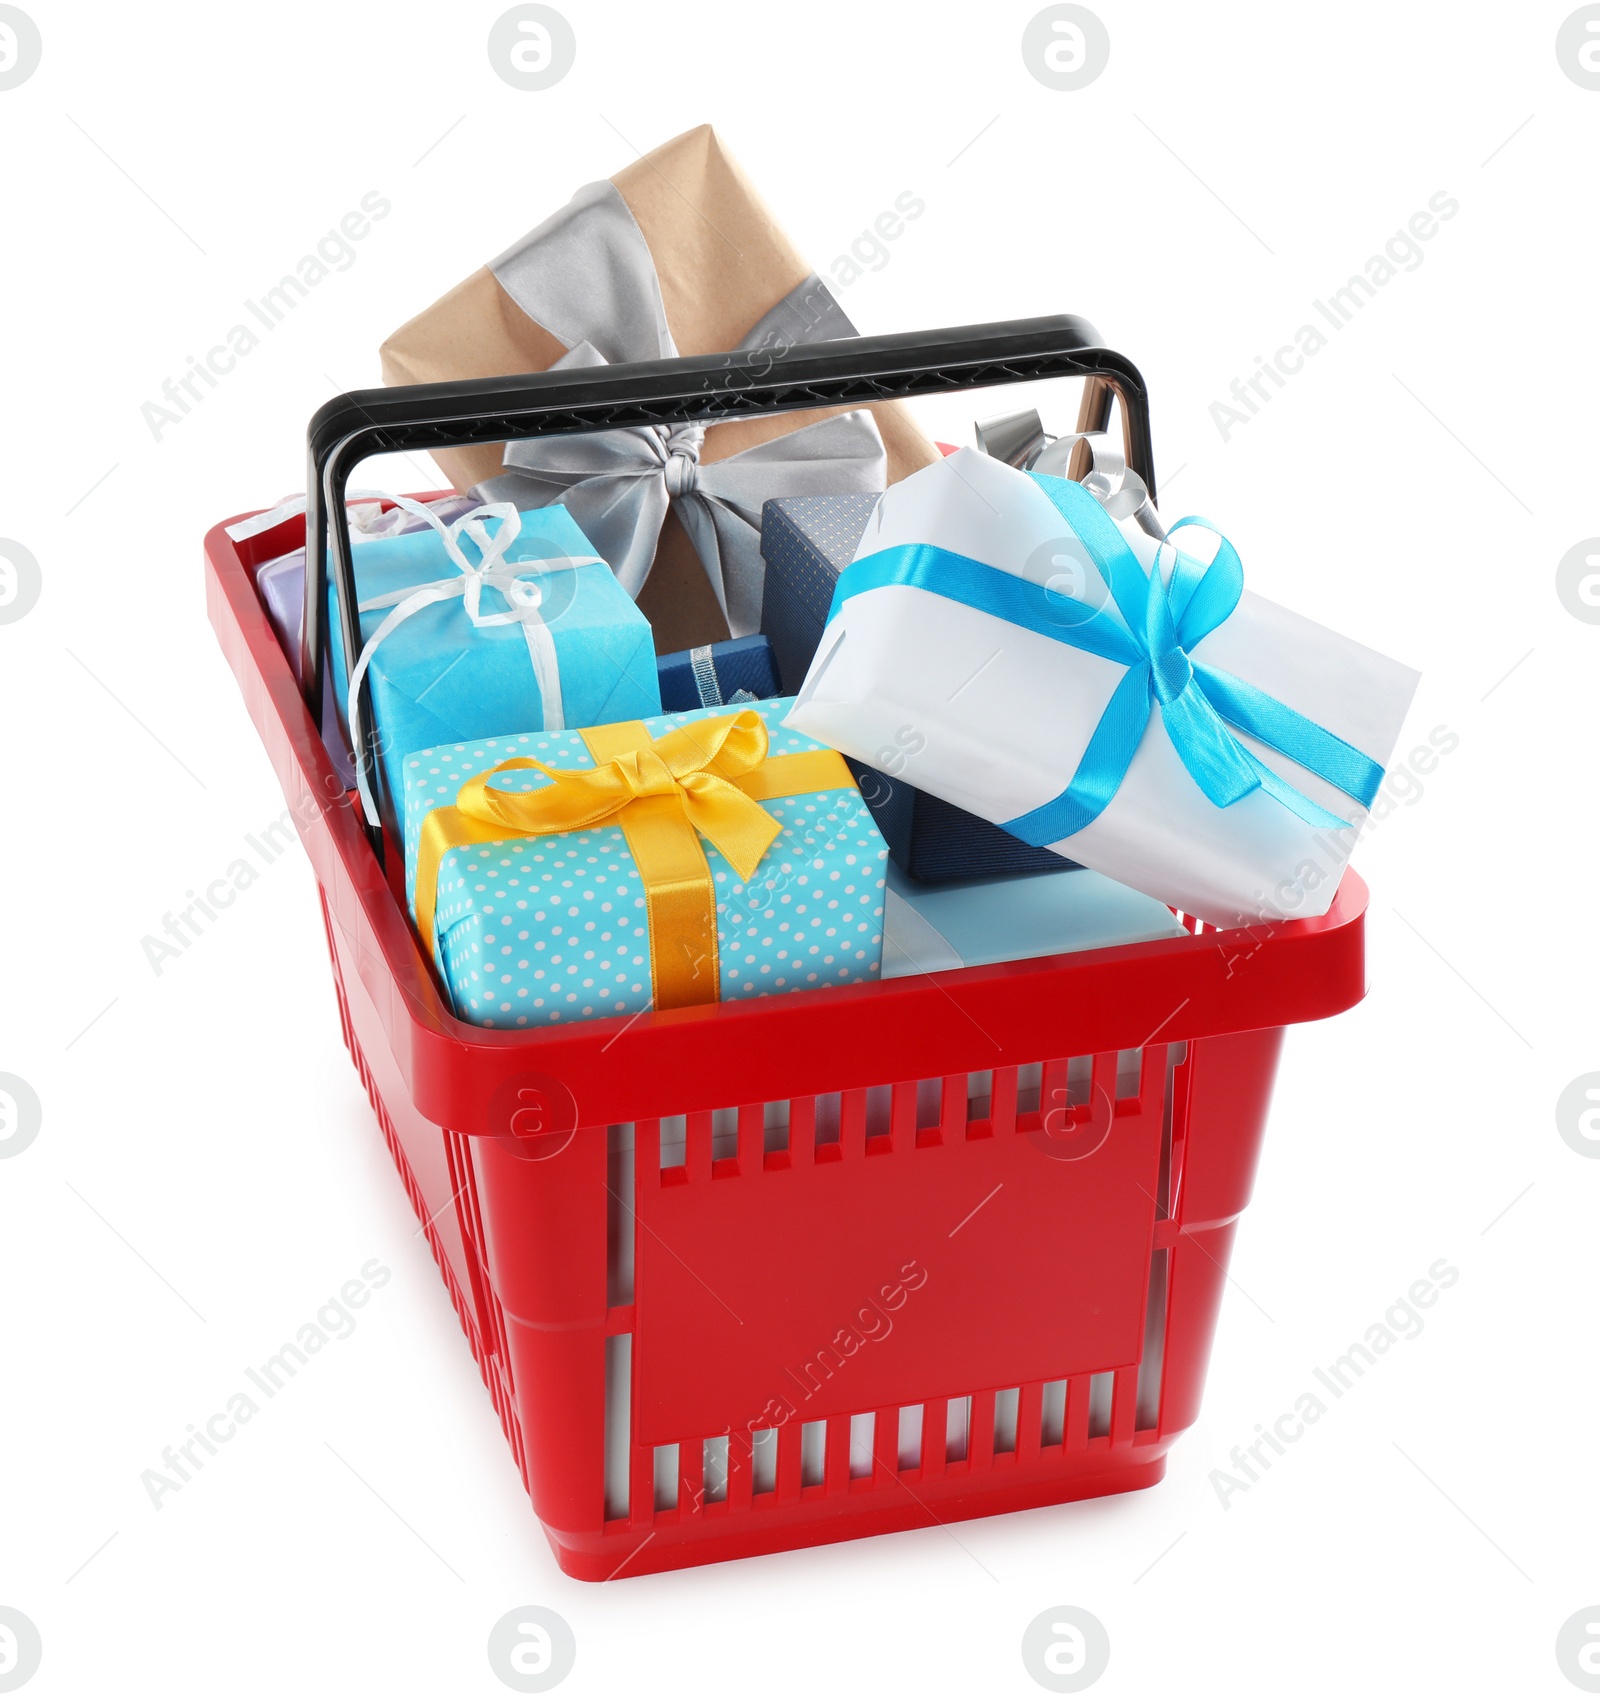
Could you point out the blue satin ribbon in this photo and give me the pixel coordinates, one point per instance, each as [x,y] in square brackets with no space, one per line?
[1148,626]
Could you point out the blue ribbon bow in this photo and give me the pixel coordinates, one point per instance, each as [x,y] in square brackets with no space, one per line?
[1160,623]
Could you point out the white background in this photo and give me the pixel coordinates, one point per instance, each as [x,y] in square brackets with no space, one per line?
[204,1134]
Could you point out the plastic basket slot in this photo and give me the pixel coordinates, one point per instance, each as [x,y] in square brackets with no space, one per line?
[1101,1387]
[665,1479]
[740,1478]
[714,1468]
[1053,1412]
[863,1427]
[691,1483]
[419,1206]
[620,1231]
[855,1452]
[1030,1081]
[764,1459]
[1029,1400]
[813,1453]
[469,1220]
[617,1471]
[1172,1118]
[1124,1404]
[1005,1420]
[1148,1408]
[957,1428]
[1128,1061]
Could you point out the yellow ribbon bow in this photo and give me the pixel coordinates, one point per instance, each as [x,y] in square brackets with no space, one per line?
[705,779]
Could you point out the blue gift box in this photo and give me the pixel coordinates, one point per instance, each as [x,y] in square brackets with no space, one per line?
[719,674]
[437,678]
[807,541]
[931,928]
[531,931]
[281,584]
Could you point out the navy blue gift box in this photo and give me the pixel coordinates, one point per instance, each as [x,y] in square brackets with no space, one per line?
[807,541]
[718,675]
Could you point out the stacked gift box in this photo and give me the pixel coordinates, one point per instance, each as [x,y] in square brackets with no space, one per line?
[675,715]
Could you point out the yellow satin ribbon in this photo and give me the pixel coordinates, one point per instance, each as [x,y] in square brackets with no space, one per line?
[705,779]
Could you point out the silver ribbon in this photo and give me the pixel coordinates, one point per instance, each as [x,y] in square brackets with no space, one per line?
[1021,441]
[706,683]
[587,276]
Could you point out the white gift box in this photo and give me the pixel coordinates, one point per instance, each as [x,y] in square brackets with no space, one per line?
[995,717]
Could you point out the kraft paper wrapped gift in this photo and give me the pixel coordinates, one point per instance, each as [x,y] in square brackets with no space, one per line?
[807,543]
[1122,701]
[718,675]
[675,254]
[546,886]
[498,622]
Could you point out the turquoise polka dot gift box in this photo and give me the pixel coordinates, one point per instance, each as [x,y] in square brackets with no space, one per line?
[658,863]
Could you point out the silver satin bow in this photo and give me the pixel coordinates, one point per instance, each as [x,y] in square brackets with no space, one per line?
[1021,441]
[586,275]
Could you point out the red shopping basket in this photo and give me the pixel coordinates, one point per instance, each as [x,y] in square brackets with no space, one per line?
[762,1275]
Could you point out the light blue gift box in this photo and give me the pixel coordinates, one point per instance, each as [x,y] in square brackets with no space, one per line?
[437,678]
[933,928]
[536,930]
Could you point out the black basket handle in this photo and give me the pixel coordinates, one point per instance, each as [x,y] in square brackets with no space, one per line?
[707,388]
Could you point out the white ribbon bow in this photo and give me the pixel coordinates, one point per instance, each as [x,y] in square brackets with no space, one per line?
[363,506]
[491,571]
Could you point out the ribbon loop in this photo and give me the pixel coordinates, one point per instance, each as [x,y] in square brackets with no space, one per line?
[524,604]
[683,444]
[1170,671]
[1021,440]
[1163,616]
[1180,608]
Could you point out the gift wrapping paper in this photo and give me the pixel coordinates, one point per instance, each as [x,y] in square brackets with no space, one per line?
[438,678]
[808,541]
[535,930]
[932,928]
[281,584]
[997,717]
[688,206]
